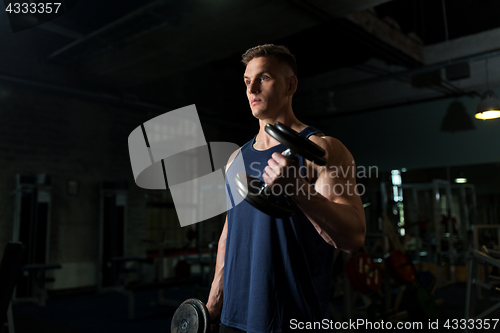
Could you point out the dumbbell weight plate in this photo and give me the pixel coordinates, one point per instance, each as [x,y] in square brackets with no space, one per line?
[250,188]
[297,143]
[276,206]
[190,317]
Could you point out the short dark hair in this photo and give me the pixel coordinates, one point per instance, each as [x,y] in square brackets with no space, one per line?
[279,52]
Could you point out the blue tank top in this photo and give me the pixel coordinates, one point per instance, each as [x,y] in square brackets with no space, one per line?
[275,269]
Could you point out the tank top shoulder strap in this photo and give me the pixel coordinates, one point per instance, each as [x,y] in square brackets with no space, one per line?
[249,144]
[310,130]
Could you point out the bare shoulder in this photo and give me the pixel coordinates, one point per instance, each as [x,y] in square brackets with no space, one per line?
[336,152]
[232,157]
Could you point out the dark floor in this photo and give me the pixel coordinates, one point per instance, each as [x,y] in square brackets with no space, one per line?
[96,313]
[107,312]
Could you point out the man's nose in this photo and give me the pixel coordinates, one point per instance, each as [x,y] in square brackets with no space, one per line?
[254,87]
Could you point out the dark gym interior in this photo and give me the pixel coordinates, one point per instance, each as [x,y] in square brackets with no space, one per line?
[398,82]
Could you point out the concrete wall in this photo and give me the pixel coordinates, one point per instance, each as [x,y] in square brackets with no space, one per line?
[411,137]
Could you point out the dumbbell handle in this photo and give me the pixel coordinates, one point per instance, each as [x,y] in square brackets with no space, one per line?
[288,154]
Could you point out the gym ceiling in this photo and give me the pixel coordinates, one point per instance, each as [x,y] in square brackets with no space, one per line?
[354,56]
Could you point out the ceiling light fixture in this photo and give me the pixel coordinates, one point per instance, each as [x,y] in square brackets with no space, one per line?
[489,107]
[461,178]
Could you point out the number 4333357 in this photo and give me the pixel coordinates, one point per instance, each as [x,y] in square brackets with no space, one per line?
[33,7]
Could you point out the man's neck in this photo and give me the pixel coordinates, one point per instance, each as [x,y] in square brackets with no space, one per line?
[264,141]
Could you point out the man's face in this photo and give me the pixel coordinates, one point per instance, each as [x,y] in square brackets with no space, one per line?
[267,84]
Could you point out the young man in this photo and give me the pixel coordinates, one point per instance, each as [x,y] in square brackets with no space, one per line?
[274,273]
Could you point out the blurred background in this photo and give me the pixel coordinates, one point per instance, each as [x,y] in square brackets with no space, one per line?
[400,83]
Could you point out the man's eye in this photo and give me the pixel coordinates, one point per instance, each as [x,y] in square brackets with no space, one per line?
[264,78]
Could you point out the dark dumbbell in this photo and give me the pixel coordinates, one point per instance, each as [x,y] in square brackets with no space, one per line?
[191,317]
[257,193]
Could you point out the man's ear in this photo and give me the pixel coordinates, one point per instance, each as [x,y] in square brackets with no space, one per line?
[292,84]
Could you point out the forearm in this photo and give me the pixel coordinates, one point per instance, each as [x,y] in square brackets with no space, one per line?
[341,225]
[216,291]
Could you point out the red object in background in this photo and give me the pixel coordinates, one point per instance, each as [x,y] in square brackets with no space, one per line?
[422,223]
[363,273]
[444,223]
[400,267]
